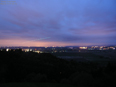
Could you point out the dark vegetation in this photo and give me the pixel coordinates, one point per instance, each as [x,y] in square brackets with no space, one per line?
[18,66]
[35,85]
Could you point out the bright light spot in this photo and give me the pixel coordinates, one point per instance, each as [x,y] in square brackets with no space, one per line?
[83,47]
[26,50]
[7,49]
[37,51]
[30,49]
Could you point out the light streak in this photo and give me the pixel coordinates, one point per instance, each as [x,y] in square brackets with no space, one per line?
[36,39]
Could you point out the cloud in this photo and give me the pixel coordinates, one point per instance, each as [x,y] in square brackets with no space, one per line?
[64,21]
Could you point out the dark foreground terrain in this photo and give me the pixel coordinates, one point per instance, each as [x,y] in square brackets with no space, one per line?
[34,85]
[36,70]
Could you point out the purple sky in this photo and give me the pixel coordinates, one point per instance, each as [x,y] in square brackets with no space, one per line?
[57,22]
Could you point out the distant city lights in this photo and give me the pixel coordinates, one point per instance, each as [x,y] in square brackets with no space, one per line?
[83,47]
[54,49]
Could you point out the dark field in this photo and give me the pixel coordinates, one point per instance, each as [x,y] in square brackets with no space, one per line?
[102,58]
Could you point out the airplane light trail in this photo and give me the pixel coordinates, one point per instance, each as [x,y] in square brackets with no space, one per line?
[37,39]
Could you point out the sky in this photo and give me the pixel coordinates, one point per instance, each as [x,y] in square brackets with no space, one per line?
[57,22]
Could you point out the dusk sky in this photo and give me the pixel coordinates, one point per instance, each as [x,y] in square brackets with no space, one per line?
[57,22]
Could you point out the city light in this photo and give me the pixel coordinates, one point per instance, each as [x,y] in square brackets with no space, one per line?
[83,47]
[7,49]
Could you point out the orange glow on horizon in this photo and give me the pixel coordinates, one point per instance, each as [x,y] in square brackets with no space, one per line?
[22,42]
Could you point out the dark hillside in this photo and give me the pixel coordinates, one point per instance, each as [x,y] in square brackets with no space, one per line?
[18,66]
